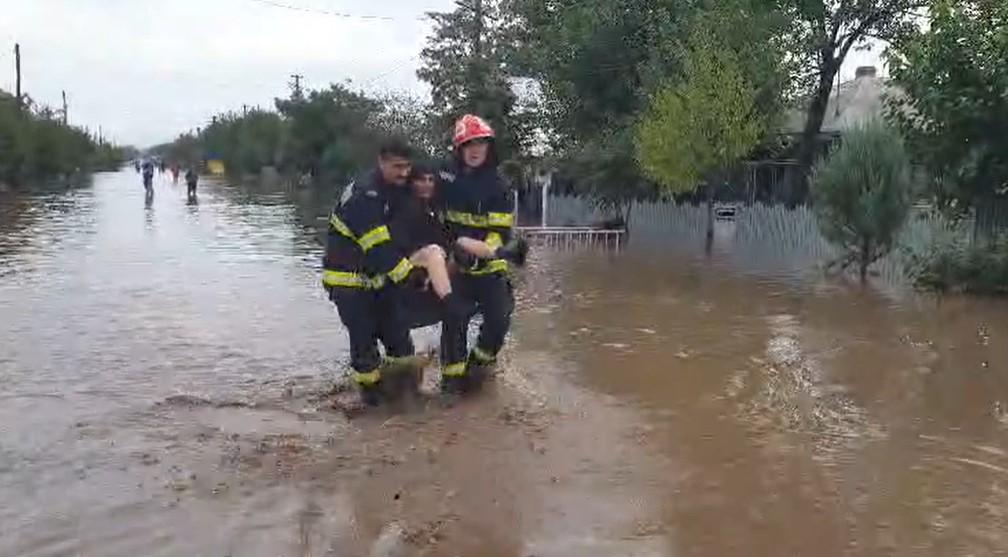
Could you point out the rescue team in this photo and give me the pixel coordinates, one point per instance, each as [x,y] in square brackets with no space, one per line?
[411,245]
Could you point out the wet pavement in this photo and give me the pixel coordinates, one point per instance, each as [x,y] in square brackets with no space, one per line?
[167,368]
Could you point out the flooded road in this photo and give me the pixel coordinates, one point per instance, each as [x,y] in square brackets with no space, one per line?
[166,370]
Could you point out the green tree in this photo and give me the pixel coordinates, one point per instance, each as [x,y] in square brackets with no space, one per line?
[593,62]
[954,79]
[862,195]
[464,61]
[35,145]
[246,142]
[599,63]
[607,174]
[823,34]
[407,116]
[328,132]
[696,130]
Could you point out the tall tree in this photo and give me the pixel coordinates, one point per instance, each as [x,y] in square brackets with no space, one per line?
[696,130]
[955,102]
[824,33]
[599,62]
[464,63]
[328,133]
[409,117]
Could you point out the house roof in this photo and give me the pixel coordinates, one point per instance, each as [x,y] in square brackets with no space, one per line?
[860,99]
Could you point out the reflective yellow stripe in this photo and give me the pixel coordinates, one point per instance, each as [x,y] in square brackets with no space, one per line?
[374,237]
[368,379]
[494,240]
[490,267]
[341,227]
[496,220]
[399,272]
[466,219]
[500,220]
[454,370]
[483,356]
[351,280]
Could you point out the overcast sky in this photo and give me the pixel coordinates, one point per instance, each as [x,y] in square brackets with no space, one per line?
[145,70]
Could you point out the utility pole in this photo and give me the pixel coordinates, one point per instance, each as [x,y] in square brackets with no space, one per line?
[65,119]
[296,85]
[17,70]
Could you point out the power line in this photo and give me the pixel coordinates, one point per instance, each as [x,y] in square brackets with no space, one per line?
[389,72]
[366,17]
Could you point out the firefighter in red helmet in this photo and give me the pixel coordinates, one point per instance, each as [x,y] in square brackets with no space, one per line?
[476,204]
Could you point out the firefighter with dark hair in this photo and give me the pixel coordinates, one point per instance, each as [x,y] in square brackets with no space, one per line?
[365,270]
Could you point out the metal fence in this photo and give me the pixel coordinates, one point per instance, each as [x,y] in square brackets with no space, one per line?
[759,237]
[568,238]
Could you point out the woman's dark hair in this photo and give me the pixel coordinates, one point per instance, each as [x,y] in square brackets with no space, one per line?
[421,169]
[395,147]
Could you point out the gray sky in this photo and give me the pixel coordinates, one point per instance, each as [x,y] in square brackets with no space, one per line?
[145,70]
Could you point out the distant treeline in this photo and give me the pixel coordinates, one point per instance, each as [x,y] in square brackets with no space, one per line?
[328,134]
[36,146]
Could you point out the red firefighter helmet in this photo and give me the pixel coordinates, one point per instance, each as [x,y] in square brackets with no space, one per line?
[470,127]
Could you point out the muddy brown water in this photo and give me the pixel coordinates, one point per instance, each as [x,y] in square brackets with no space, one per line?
[163,391]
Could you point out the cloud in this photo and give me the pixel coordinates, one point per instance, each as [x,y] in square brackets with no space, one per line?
[146,70]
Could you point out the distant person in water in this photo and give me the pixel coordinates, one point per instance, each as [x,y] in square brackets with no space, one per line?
[148,175]
[174,172]
[191,178]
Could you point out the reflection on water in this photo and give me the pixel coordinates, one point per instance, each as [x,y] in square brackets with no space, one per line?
[165,384]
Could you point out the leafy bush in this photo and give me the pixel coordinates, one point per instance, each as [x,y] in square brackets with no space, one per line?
[956,265]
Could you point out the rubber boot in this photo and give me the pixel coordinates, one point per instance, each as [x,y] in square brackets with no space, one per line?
[455,385]
[371,395]
[454,389]
[478,372]
[401,376]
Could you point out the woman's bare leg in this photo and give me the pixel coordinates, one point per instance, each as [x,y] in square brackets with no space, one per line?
[476,248]
[433,259]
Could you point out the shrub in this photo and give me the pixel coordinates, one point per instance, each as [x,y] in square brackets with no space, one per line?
[956,265]
[862,194]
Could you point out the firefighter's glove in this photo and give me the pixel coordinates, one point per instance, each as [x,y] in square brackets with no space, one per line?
[516,252]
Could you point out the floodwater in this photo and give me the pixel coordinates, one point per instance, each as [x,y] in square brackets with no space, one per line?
[166,370]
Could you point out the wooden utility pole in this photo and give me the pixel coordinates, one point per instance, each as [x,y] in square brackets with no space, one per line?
[296,86]
[65,119]
[17,71]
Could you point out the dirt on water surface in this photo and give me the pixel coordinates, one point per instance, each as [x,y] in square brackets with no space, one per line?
[169,377]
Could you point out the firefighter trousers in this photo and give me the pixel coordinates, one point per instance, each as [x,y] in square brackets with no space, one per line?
[371,316]
[494,299]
